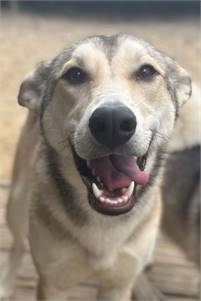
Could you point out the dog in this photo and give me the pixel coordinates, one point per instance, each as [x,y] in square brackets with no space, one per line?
[87,174]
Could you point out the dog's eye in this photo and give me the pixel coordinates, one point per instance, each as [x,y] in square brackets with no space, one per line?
[146,72]
[75,76]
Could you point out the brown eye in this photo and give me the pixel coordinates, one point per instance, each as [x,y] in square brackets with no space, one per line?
[75,76]
[146,72]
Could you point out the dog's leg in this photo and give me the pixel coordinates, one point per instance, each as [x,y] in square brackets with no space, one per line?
[40,290]
[116,283]
[9,270]
[115,293]
[48,291]
[17,222]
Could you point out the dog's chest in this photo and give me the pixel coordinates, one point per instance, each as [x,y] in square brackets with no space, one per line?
[103,242]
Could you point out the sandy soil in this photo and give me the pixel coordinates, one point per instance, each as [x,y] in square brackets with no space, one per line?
[27,39]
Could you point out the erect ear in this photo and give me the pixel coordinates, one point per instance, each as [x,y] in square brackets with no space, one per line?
[179,81]
[33,87]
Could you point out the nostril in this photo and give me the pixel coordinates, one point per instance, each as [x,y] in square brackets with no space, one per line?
[127,125]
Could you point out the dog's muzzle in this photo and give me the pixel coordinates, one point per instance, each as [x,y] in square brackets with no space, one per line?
[111,179]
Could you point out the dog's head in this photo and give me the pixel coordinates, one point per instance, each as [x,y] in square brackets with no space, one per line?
[111,102]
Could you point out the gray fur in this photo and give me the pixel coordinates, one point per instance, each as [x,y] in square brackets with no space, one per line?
[181,197]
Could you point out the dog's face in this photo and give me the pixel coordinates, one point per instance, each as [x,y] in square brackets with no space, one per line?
[112,103]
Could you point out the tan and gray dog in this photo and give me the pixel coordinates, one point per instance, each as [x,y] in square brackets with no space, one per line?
[87,171]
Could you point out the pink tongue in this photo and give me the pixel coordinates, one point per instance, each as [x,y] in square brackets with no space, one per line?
[118,171]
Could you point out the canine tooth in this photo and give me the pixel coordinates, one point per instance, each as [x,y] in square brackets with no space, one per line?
[130,189]
[97,192]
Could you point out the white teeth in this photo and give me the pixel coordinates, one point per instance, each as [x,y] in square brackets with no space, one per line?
[108,201]
[102,199]
[130,189]
[125,198]
[97,192]
[122,199]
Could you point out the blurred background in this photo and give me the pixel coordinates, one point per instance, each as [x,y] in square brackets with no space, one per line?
[31,31]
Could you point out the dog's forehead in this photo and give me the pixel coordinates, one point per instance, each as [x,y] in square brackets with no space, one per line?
[89,55]
[106,56]
[105,51]
[129,49]
[131,54]
[108,48]
[98,45]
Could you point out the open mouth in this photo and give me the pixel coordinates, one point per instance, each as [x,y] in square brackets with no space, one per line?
[111,181]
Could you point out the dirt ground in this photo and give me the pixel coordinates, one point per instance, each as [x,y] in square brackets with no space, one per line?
[26,39]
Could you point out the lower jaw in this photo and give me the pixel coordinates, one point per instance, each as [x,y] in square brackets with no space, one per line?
[101,207]
[112,209]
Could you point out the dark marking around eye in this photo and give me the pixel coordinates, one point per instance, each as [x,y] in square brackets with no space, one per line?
[75,76]
[146,72]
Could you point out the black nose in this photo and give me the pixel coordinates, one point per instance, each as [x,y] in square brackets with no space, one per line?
[112,126]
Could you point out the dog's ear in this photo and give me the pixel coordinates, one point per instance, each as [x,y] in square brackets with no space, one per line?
[33,87]
[179,82]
